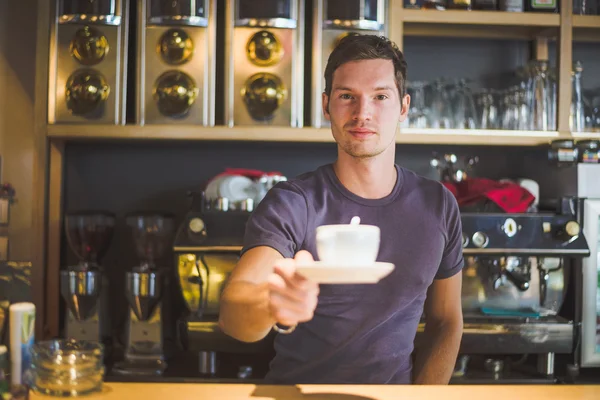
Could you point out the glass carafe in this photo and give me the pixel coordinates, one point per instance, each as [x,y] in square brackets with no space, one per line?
[538,85]
[464,107]
[577,117]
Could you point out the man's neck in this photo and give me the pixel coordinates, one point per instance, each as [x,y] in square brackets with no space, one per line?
[371,178]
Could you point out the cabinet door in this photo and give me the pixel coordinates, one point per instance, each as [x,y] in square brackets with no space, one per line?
[590,351]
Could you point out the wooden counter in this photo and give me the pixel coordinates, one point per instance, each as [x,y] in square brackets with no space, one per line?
[172,391]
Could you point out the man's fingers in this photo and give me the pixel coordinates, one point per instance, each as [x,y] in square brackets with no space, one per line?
[294,280]
[282,303]
[279,284]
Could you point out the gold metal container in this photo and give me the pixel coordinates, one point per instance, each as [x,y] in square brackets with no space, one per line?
[333,20]
[87,65]
[176,62]
[264,63]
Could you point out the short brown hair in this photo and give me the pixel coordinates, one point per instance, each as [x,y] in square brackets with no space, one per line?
[355,47]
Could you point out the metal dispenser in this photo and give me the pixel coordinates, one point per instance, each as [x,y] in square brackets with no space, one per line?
[81,286]
[264,63]
[333,20]
[176,62]
[144,354]
[88,58]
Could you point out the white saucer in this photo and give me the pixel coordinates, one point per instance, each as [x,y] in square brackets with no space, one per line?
[334,274]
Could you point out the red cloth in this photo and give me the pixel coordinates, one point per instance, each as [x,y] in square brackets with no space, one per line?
[510,197]
[249,173]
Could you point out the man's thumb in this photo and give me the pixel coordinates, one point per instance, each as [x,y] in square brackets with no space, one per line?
[304,257]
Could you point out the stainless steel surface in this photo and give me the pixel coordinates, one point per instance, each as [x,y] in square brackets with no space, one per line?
[590,329]
[246,205]
[174,12]
[326,34]
[480,277]
[106,52]
[85,317]
[587,180]
[285,43]
[207,362]
[208,248]
[487,335]
[81,291]
[88,7]
[546,364]
[182,47]
[221,204]
[528,251]
[186,20]
[362,25]
[94,20]
[144,349]
[143,291]
[284,23]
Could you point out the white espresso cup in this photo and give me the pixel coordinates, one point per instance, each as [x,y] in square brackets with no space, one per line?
[348,244]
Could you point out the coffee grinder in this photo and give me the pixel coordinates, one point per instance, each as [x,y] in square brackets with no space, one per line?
[88,235]
[144,355]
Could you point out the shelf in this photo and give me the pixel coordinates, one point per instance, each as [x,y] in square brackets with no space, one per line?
[279,134]
[587,21]
[479,24]
[586,135]
[586,28]
[187,132]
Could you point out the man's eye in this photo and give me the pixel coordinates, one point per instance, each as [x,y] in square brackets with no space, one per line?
[345,96]
[381,97]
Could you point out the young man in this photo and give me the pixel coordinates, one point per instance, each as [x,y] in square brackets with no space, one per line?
[354,333]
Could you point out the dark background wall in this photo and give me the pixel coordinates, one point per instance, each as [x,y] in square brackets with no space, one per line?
[127,177]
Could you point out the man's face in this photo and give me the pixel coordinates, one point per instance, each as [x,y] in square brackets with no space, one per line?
[365,107]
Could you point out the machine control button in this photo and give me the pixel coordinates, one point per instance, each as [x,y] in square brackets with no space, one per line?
[510,227]
[572,228]
[196,225]
[480,239]
[547,227]
[465,240]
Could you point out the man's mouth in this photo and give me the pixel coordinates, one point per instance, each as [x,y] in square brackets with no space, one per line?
[361,133]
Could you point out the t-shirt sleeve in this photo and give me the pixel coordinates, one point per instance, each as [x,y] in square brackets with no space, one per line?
[452,259]
[279,221]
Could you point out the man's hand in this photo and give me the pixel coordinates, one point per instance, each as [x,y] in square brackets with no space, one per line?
[292,298]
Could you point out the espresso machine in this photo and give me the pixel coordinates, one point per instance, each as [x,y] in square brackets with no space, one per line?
[176,55]
[518,266]
[264,62]
[207,248]
[333,20]
[88,62]
[144,286]
[82,286]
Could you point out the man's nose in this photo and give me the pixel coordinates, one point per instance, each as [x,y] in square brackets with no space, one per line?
[362,109]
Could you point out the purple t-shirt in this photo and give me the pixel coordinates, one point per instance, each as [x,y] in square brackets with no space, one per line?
[360,334]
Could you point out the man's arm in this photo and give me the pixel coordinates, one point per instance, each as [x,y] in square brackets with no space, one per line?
[264,288]
[437,353]
[244,305]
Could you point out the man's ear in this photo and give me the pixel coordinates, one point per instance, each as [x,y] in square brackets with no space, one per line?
[405,103]
[325,105]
